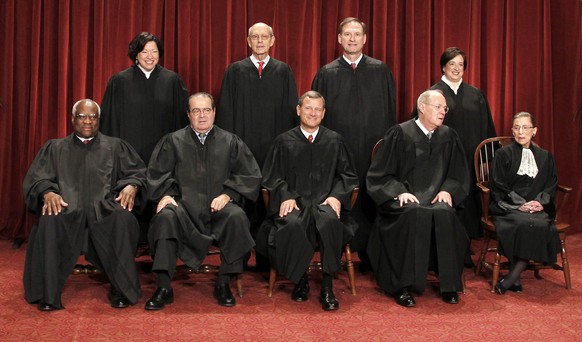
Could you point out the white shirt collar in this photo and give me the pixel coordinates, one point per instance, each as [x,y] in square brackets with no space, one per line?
[147,73]
[198,133]
[424,130]
[357,61]
[453,85]
[307,134]
[256,61]
[83,139]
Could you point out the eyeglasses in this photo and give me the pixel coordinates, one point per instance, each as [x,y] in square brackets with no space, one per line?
[519,128]
[262,36]
[438,107]
[82,117]
[197,111]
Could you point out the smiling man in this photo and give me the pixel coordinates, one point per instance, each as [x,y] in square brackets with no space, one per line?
[310,176]
[362,105]
[417,178]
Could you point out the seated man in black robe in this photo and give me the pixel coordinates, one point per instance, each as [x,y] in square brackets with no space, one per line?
[417,178]
[310,176]
[83,187]
[199,176]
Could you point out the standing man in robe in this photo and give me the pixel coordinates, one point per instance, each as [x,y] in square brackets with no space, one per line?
[258,95]
[361,99]
[417,178]
[310,177]
[83,188]
[257,103]
[199,177]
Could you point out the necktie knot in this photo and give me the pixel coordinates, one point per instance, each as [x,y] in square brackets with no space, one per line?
[86,141]
[354,66]
[261,63]
[429,135]
[310,138]
[202,137]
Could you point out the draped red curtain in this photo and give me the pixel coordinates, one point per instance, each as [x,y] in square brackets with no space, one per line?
[525,55]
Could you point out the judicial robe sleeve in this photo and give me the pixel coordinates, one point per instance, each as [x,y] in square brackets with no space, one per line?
[382,181]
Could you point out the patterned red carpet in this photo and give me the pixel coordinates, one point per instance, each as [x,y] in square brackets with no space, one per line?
[544,311]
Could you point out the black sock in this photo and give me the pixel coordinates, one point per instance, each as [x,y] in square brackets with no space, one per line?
[327,280]
[163,279]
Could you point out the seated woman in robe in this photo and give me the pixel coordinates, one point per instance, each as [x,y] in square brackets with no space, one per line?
[523,188]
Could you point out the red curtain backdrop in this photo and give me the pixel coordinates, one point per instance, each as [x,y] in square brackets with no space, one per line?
[525,55]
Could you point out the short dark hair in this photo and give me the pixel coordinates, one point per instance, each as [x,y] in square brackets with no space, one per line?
[525,115]
[201,94]
[451,53]
[139,42]
[351,20]
[312,94]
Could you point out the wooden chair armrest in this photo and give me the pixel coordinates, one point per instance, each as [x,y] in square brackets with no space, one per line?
[564,189]
[485,193]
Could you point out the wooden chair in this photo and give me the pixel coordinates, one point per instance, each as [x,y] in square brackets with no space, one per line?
[316,265]
[432,276]
[484,155]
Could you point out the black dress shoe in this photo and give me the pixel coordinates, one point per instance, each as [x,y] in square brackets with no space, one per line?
[161,297]
[450,297]
[117,299]
[223,295]
[46,307]
[499,288]
[516,288]
[301,291]
[404,298]
[328,300]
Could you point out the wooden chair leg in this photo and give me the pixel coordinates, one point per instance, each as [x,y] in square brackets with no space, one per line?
[495,272]
[272,278]
[239,287]
[350,267]
[463,280]
[565,264]
[482,255]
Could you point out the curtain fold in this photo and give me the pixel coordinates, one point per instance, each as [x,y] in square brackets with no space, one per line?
[525,56]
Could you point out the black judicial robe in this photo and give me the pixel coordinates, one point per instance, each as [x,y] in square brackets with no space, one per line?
[470,116]
[141,110]
[524,235]
[309,173]
[361,106]
[257,109]
[89,178]
[195,174]
[400,242]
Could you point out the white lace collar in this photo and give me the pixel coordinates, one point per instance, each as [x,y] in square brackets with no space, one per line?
[528,164]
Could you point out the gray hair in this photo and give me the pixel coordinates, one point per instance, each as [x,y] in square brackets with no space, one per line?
[427,95]
[74,111]
[269,27]
[312,94]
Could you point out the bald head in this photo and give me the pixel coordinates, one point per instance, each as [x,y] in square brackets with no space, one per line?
[260,40]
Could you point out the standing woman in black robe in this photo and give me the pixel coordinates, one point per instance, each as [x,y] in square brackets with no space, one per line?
[523,190]
[470,116]
[145,101]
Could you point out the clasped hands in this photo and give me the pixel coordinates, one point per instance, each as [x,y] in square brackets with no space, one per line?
[442,196]
[217,203]
[531,207]
[54,203]
[289,205]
